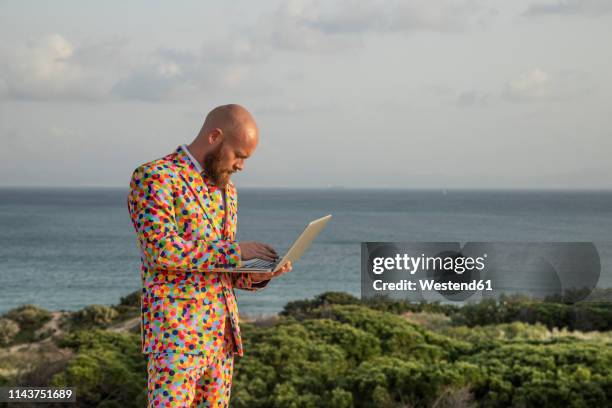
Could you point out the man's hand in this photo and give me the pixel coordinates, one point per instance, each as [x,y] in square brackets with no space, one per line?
[264,276]
[253,249]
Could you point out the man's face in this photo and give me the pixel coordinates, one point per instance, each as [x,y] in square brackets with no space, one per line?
[227,158]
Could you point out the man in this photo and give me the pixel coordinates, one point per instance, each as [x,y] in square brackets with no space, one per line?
[184,210]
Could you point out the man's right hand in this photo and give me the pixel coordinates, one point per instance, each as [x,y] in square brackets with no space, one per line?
[254,249]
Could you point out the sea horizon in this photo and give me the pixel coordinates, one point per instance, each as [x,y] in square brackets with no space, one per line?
[75,246]
[335,187]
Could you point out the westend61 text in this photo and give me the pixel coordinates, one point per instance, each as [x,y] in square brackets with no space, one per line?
[430,284]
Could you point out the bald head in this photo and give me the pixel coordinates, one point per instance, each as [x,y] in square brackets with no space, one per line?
[234,121]
[228,137]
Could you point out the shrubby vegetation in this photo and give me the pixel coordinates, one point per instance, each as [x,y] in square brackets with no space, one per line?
[28,317]
[108,370]
[585,316]
[582,316]
[8,331]
[93,316]
[28,320]
[380,359]
[337,351]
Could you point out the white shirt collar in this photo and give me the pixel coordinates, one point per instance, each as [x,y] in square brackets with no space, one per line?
[193,160]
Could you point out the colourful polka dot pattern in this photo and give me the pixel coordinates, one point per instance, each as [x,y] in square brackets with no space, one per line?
[190,380]
[179,221]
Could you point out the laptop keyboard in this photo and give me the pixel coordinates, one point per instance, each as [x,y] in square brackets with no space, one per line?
[258,263]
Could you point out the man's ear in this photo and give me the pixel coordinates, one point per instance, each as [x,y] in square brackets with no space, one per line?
[215,135]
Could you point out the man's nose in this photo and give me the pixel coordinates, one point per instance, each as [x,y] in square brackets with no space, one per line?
[239,165]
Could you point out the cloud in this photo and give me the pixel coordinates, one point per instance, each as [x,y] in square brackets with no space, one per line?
[354,16]
[530,86]
[50,68]
[170,74]
[54,68]
[473,98]
[324,26]
[533,85]
[292,108]
[538,85]
[153,82]
[232,48]
[297,25]
[289,28]
[62,132]
[568,7]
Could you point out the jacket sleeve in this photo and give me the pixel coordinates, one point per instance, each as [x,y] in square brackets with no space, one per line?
[243,281]
[151,207]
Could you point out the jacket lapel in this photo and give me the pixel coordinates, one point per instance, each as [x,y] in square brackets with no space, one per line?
[196,184]
[232,207]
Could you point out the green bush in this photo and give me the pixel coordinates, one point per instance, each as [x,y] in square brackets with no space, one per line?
[93,316]
[8,331]
[494,333]
[387,381]
[131,300]
[29,317]
[562,373]
[335,351]
[108,369]
[352,354]
[129,306]
[288,363]
[343,359]
[585,316]
[300,309]
[356,343]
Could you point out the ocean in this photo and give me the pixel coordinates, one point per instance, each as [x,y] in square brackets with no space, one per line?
[63,249]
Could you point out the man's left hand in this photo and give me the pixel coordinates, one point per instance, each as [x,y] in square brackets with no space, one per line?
[264,276]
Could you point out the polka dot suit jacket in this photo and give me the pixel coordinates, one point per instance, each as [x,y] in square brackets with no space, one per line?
[182,238]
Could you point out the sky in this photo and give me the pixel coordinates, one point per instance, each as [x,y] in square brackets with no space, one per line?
[416,94]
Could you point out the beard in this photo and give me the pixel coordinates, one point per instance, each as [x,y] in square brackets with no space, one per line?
[214,169]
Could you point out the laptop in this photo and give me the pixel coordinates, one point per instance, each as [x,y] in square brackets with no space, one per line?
[293,254]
